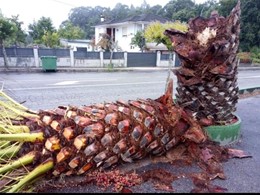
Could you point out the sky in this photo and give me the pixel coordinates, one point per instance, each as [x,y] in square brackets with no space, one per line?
[58,10]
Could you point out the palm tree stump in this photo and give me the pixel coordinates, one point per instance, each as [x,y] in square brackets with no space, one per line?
[207,78]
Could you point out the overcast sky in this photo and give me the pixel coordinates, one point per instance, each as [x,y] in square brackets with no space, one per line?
[58,10]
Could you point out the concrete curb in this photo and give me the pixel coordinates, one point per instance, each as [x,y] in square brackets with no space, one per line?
[83,69]
[249,90]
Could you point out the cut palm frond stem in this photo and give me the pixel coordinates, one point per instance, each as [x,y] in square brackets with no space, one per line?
[39,170]
[11,100]
[18,112]
[10,151]
[14,129]
[4,144]
[22,137]
[24,160]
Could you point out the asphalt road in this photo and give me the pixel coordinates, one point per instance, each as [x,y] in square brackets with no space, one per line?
[49,90]
[242,175]
[43,91]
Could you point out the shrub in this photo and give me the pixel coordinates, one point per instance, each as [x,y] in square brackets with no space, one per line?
[255,55]
[245,57]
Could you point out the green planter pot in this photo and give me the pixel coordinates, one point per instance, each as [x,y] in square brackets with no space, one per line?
[224,134]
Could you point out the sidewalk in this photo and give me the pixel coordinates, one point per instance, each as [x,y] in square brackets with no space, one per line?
[86,69]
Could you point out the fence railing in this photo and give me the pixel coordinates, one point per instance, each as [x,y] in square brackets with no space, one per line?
[32,57]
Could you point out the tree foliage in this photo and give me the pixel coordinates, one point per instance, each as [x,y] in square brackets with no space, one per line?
[50,39]
[250,21]
[139,40]
[68,31]
[205,9]
[120,11]
[7,30]
[85,18]
[181,10]
[38,29]
[108,45]
[155,32]
[250,25]
[19,37]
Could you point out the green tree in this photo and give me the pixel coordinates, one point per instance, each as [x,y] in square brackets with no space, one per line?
[181,10]
[107,44]
[50,39]
[7,31]
[20,36]
[139,40]
[120,11]
[87,17]
[250,21]
[157,10]
[38,29]
[225,6]
[155,33]
[144,8]
[68,31]
[250,25]
[205,9]
[184,14]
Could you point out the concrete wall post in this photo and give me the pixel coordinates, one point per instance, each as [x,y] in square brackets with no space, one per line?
[72,57]
[125,59]
[158,58]
[36,56]
[101,54]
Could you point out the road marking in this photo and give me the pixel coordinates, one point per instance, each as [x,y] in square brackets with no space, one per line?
[249,77]
[61,80]
[81,86]
[65,83]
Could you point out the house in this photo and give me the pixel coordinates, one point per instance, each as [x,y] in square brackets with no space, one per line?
[123,30]
[78,44]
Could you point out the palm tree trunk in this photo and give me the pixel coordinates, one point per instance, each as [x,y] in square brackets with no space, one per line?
[207,78]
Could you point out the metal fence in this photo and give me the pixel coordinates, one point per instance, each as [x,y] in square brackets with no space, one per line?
[54,52]
[59,53]
[165,57]
[141,59]
[17,52]
[134,59]
[86,55]
[115,55]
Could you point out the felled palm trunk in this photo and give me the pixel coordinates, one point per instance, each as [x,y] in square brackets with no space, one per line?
[72,140]
[207,78]
[105,134]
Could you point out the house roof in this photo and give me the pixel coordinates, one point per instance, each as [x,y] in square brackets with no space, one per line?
[76,40]
[136,18]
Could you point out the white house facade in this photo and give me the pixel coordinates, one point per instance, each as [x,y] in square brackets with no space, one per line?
[76,44]
[122,31]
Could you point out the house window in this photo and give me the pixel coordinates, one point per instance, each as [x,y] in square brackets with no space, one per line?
[139,27]
[124,31]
